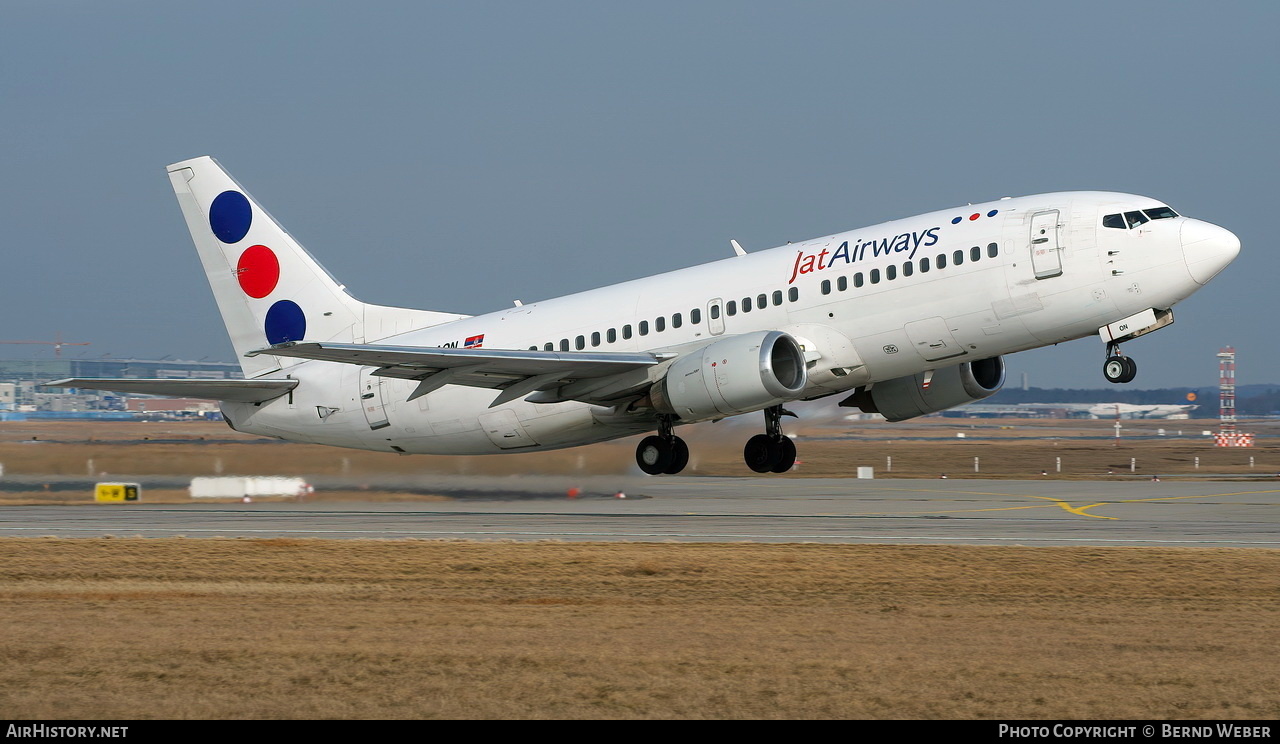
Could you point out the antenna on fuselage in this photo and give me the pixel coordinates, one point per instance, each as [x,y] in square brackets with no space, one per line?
[737,249]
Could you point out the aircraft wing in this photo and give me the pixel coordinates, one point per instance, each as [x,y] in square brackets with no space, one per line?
[239,391]
[516,372]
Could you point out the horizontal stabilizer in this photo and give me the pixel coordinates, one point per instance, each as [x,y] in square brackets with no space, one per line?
[239,391]
[524,370]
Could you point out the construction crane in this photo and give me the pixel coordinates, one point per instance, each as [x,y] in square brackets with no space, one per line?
[57,344]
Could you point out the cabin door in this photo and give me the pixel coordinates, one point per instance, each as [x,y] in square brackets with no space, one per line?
[1046,253]
[372,399]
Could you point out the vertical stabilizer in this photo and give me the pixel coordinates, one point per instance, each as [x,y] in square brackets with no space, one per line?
[268,288]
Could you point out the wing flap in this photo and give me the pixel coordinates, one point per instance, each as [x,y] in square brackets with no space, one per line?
[239,391]
[518,372]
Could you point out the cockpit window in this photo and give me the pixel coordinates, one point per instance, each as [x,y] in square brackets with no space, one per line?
[1135,218]
[1160,213]
[1114,220]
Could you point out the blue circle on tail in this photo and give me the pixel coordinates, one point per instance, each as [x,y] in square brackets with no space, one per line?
[230,216]
[285,322]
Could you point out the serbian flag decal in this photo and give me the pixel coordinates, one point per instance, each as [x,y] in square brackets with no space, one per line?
[473,342]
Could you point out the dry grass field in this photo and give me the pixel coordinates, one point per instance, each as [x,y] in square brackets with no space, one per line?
[221,628]
[919,449]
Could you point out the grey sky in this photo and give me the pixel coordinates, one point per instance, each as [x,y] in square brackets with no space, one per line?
[455,156]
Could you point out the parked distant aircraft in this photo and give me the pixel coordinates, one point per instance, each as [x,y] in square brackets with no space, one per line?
[905,318]
[1093,410]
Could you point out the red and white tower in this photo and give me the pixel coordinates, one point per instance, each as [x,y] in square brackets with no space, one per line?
[1227,435]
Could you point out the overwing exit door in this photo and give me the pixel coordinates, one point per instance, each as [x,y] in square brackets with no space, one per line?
[715,316]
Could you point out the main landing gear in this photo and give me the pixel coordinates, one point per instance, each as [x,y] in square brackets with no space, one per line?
[771,452]
[1118,368]
[665,453]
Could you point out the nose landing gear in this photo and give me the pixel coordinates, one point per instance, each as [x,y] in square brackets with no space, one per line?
[771,452]
[665,453]
[1118,368]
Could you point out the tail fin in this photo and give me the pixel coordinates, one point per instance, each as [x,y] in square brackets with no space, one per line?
[268,288]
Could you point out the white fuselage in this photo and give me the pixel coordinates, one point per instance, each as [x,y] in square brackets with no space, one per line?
[1046,271]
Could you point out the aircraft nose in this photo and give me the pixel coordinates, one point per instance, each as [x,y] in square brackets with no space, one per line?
[1207,249]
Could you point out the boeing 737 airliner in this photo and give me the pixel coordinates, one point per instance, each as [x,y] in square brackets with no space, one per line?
[903,318]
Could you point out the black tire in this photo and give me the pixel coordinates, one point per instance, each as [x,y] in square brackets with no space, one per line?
[1115,368]
[784,455]
[653,455]
[1131,369]
[759,453]
[679,456]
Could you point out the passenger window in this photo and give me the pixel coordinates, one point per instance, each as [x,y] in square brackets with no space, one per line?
[793,294]
[762,301]
[875,276]
[626,331]
[908,268]
[826,286]
[842,283]
[676,321]
[857,279]
[957,258]
[731,308]
[891,272]
[941,260]
[975,253]
[660,324]
[695,316]
[612,336]
[715,312]
[580,343]
[777,296]
[1135,218]
[644,328]
[595,338]
[924,265]
[746,304]
[993,250]
[1114,220]
[564,344]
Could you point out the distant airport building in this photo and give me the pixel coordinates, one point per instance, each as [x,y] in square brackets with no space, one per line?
[22,393]
[43,370]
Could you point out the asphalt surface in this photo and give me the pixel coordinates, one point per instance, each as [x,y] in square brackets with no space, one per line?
[705,509]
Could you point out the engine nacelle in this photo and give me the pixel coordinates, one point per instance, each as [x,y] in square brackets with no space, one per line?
[906,397]
[733,375]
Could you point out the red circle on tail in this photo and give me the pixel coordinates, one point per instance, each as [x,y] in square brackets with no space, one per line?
[258,271]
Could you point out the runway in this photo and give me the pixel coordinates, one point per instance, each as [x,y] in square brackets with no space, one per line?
[705,509]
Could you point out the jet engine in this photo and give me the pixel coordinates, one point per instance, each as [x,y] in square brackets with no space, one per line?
[907,397]
[734,375]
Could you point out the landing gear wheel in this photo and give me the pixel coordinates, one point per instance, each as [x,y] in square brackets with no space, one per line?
[785,455]
[654,455]
[679,456]
[1119,369]
[759,453]
[773,451]
[1132,369]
